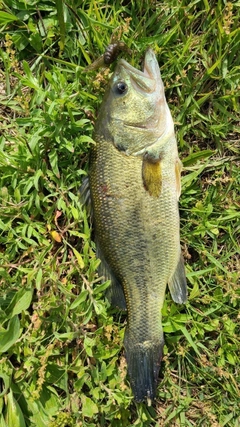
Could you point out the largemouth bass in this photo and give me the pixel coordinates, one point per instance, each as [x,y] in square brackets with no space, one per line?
[135,186]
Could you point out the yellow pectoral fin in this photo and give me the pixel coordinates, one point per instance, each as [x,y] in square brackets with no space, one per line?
[178,168]
[152,177]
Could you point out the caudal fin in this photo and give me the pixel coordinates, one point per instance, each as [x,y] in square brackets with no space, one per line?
[143,361]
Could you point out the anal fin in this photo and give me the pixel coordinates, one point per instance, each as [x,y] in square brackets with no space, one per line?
[114,292]
[178,283]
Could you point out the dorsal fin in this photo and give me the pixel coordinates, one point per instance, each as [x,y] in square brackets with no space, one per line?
[85,196]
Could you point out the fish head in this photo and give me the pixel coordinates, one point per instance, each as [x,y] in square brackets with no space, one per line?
[134,113]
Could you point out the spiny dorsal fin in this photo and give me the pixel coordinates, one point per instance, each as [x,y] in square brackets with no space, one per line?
[85,196]
[152,176]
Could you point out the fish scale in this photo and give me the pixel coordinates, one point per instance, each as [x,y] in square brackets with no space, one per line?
[134,193]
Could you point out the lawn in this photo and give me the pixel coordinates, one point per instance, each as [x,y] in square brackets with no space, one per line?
[62,361]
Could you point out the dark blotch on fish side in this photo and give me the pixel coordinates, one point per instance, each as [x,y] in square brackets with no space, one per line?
[120,147]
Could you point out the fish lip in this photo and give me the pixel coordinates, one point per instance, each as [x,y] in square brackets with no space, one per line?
[131,125]
[146,72]
[131,69]
[137,126]
[141,126]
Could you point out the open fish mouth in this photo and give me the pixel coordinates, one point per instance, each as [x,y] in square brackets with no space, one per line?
[146,79]
[147,70]
[132,69]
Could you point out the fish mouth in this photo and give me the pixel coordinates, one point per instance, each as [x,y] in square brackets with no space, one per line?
[146,79]
[149,77]
[130,125]
[131,69]
[147,71]
[135,125]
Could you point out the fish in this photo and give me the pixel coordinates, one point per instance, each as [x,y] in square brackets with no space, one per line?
[134,186]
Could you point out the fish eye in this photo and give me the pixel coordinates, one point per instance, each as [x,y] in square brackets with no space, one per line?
[121,88]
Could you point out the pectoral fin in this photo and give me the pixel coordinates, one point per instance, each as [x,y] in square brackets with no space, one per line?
[178,283]
[178,169]
[152,176]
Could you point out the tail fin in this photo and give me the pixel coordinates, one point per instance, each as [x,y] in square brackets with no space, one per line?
[143,361]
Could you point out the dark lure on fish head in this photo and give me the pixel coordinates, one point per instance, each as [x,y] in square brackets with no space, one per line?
[134,179]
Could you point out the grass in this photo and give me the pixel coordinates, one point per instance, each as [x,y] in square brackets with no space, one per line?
[62,361]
